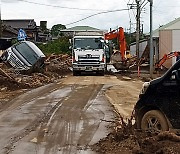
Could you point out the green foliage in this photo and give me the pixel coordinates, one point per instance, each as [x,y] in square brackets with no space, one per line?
[56,28]
[61,45]
[43,25]
[14,41]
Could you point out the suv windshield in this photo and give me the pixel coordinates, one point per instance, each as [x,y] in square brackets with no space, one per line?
[27,53]
[88,43]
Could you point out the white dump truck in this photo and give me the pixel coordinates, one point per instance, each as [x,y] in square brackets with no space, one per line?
[88,53]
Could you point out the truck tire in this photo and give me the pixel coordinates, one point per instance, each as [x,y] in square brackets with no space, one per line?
[101,73]
[76,73]
[154,120]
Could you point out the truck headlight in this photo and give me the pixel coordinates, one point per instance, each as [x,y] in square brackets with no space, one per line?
[144,88]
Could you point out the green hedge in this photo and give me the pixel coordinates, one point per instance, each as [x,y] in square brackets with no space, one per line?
[61,45]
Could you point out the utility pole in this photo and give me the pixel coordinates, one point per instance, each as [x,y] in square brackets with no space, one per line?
[130,30]
[137,29]
[151,42]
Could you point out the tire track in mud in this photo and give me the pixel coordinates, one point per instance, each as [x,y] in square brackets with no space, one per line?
[42,118]
[71,116]
[27,97]
[72,126]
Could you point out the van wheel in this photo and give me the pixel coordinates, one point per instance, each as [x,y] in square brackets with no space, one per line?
[154,120]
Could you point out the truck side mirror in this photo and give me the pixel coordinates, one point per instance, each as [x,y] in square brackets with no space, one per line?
[70,41]
[70,47]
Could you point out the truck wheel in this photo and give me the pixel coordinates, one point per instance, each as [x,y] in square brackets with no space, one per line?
[106,68]
[101,73]
[75,73]
[154,120]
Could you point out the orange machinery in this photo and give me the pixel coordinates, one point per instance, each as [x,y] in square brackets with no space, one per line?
[118,34]
[166,57]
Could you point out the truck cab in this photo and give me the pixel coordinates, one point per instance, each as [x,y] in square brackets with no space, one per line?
[88,53]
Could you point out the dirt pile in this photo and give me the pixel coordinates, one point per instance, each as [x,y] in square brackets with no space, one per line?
[125,139]
[56,66]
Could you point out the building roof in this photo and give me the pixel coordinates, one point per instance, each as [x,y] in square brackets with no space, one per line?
[80,28]
[20,23]
[173,25]
[88,33]
[10,29]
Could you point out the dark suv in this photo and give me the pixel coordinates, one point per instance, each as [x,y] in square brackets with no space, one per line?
[158,107]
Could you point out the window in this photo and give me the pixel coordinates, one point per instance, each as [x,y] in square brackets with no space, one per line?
[27,53]
[88,43]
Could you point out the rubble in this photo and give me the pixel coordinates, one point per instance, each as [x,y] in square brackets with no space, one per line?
[125,138]
[56,66]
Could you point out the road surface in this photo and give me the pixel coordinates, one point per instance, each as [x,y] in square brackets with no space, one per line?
[62,118]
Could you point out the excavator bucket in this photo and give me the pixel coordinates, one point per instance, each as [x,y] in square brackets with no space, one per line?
[116,61]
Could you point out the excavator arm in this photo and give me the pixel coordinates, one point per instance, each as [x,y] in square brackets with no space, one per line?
[119,34]
[166,57]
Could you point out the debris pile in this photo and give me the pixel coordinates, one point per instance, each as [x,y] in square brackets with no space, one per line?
[56,66]
[126,139]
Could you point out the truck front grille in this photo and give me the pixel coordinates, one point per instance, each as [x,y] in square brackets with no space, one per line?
[83,59]
[15,62]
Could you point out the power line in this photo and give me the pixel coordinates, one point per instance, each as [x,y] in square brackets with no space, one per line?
[63,7]
[95,15]
[143,5]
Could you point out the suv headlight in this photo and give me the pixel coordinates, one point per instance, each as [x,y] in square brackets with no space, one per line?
[144,88]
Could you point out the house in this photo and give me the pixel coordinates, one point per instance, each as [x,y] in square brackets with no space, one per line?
[28,25]
[8,34]
[70,31]
[169,40]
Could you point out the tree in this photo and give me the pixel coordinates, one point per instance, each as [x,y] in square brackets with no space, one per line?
[61,45]
[56,29]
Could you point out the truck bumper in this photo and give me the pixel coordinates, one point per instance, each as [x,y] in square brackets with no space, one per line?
[97,67]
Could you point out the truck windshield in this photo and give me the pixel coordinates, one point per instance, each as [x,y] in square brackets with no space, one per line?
[88,43]
[27,53]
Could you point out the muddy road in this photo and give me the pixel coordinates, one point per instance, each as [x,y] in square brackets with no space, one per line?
[65,117]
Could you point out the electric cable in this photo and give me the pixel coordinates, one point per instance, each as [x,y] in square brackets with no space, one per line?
[63,7]
[95,15]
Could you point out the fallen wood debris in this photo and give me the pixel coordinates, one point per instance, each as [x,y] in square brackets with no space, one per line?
[125,138]
[56,66]
[165,136]
[3,73]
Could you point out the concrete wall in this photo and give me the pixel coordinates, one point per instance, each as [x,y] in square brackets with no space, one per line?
[165,45]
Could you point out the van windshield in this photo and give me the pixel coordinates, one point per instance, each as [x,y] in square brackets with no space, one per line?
[88,43]
[27,53]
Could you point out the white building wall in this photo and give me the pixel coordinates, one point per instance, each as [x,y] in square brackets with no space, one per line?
[175,43]
[176,40]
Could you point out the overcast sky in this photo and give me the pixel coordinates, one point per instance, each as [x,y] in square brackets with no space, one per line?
[164,11]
